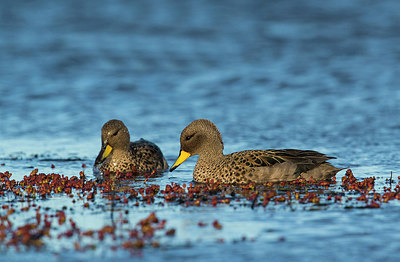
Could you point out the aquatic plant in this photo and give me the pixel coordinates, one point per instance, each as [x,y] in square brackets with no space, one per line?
[45,225]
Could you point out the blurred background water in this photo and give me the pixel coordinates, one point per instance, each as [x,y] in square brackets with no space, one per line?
[305,74]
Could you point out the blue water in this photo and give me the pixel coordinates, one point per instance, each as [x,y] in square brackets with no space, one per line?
[270,74]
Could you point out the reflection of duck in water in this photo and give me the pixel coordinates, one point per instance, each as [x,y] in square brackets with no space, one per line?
[119,154]
[202,138]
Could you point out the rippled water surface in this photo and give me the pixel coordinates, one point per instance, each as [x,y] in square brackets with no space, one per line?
[270,74]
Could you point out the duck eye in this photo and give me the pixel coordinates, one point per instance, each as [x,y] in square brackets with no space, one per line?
[189,137]
[116,133]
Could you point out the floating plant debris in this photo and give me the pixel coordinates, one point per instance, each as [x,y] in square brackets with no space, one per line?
[46,225]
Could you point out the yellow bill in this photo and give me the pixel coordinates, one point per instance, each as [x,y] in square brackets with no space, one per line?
[106,152]
[182,157]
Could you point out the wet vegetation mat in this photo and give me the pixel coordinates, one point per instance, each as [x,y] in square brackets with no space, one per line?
[56,213]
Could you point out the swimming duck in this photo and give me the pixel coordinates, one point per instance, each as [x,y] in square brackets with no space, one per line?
[202,138]
[119,154]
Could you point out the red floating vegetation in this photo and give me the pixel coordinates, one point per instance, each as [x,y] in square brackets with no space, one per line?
[147,232]
[212,192]
[30,234]
[366,186]
[310,198]
[217,225]
[149,175]
[170,232]
[201,224]
[267,196]
[349,182]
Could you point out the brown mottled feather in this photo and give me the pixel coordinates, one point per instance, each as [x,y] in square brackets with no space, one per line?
[147,155]
[142,155]
[250,165]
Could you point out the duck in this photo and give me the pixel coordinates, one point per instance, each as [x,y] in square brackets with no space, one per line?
[118,154]
[202,138]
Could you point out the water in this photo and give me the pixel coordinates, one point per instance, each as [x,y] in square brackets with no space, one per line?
[304,74]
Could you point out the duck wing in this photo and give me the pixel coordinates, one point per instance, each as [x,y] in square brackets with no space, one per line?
[148,154]
[282,164]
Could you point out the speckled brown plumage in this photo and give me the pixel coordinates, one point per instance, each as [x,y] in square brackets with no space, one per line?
[202,138]
[142,155]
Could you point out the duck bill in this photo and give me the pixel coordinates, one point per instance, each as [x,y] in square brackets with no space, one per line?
[104,152]
[182,157]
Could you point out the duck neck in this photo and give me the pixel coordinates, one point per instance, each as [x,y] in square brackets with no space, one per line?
[123,150]
[213,155]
